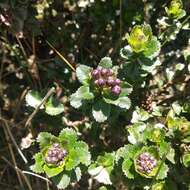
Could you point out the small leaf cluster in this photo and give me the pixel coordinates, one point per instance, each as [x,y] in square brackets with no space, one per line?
[145,157]
[140,56]
[175,9]
[101,90]
[60,157]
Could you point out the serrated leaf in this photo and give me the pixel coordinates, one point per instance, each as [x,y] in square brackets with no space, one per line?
[44,139]
[83,153]
[126,166]
[83,93]
[62,180]
[126,52]
[34,99]
[53,107]
[101,111]
[152,48]
[39,162]
[72,160]
[128,152]
[52,171]
[162,172]
[83,74]
[68,136]
[105,62]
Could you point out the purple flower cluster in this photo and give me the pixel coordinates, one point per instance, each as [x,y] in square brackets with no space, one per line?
[105,78]
[55,154]
[146,163]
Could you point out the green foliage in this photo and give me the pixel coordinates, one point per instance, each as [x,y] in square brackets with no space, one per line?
[52,107]
[139,37]
[127,95]
[99,100]
[175,9]
[77,153]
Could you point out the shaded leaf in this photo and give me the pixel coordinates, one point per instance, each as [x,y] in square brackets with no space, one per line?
[101,111]
[83,74]
[106,62]
[53,107]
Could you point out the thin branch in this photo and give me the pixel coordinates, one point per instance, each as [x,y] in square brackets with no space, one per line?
[36,175]
[61,56]
[14,142]
[18,170]
[50,92]
[13,158]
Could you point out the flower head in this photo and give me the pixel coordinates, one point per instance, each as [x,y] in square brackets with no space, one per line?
[139,37]
[146,163]
[175,9]
[55,154]
[105,78]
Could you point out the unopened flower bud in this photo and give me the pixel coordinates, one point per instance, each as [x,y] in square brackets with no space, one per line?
[104,71]
[117,81]
[101,82]
[110,72]
[116,90]
[95,73]
[110,81]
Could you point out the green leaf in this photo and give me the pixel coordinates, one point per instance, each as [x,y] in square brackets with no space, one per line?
[83,153]
[52,170]
[152,48]
[69,137]
[44,139]
[75,100]
[122,102]
[162,171]
[100,174]
[106,62]
[83,93]
[171,155]
[126,166]
[34,99]
[83,74]
[103,188]
[72,160]
[62,180]
[186,159]
[140,115]
[101,111]
[106,160]
[78,173]
[53,107]
[39,162]
[128,152]
[137,133]
[126,89]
